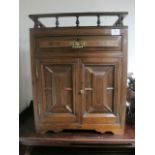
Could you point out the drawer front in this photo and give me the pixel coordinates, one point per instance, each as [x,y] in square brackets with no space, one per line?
[84,42]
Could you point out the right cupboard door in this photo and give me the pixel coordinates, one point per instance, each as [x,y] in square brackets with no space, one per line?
[100,90]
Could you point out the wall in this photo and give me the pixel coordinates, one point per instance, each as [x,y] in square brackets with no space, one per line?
[52,6]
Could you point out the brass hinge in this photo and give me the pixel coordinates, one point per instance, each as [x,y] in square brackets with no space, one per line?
[37,76]
[39,108]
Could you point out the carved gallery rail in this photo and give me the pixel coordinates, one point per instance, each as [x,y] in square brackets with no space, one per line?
[118,22]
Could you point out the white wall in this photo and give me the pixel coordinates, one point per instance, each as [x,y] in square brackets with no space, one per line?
[52,6]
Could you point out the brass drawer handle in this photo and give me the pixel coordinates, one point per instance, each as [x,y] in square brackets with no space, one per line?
[78,44]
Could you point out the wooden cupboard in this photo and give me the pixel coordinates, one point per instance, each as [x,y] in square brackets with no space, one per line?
[79,75]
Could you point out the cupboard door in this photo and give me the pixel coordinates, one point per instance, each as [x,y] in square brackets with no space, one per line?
[100,87]
[57,80]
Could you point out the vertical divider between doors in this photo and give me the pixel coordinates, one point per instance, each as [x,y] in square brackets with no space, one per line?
[82,87]
[77,90]
[79,80]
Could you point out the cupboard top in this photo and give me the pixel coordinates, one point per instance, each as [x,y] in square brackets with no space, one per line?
[73,31]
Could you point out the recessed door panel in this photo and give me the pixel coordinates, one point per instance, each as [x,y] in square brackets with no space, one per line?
[100,100]
[58,91]
[99,87]
[58,88]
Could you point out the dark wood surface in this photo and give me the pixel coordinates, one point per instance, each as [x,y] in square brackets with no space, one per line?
[39,150]
[76,151]
[29,137]
[69,142]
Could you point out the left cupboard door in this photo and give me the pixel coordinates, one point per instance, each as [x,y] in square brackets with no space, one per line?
[56,81]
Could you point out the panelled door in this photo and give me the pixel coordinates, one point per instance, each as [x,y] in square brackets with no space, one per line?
[100,89]
[57,80]
[84,90]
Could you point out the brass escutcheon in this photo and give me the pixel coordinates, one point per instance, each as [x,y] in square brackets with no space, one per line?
[78,44]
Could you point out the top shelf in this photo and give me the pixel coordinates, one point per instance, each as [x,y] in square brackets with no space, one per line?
[39,24]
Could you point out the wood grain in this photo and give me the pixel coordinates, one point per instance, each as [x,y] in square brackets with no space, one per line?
[72,87]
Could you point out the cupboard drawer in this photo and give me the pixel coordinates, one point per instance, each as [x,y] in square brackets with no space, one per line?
[83,42]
